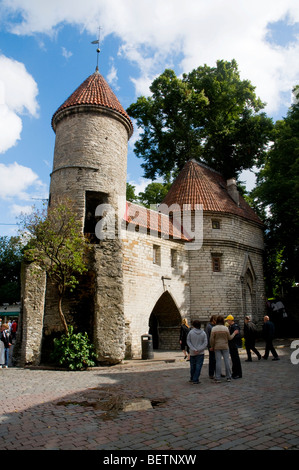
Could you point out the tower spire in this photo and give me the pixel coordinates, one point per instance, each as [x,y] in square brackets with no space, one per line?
[97,41]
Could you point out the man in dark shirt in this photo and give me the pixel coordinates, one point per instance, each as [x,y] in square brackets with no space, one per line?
[234,344]
[250,332]
[269,334]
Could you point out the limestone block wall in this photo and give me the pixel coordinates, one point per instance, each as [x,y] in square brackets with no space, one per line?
[239,246]
[145,282]
[232,228]
[90,155]
[32,315]
[109,318]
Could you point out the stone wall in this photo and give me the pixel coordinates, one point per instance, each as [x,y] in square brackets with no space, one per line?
[30,329]
[145,282]
[109,319]
[128,285]
[239,246]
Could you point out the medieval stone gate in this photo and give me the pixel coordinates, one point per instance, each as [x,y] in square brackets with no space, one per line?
[164,323]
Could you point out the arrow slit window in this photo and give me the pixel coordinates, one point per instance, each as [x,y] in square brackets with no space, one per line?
[216,262]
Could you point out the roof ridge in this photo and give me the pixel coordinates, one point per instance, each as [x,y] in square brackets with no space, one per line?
[204,165]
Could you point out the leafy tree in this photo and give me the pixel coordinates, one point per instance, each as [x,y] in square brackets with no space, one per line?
[209,114]
[154,193]
[170,136]
[130,193]
[10,269]
[56,244]
[277,196]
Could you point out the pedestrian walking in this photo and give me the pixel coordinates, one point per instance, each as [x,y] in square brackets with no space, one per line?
[185,328]
[250,333]
[220,336]
[269,335]
[234,344]
[197,342]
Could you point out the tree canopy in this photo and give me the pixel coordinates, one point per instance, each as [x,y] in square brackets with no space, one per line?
[277,198]
[210,115]
[10,269]
[152,195]
[56,244]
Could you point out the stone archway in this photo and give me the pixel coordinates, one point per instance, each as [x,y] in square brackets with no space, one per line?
[248,288]
[164,323]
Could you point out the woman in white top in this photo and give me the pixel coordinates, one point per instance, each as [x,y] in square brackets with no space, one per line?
[219,339]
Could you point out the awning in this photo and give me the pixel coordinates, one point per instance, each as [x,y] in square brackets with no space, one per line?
[9,314]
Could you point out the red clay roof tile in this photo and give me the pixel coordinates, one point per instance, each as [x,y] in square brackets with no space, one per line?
[155,222]
[198,184]
[94,91]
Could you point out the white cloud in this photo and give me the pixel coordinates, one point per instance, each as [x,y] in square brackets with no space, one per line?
[140,185]
[66,54]
[11,127]
[17,180]
[112,77]
[17,209]
[198,31]
[18,92]
[249,178]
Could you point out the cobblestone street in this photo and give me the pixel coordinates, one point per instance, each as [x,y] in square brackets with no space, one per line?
[149,405]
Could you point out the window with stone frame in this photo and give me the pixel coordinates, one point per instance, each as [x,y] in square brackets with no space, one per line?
[174,258]
[216,262]
[215,224]
[157,255]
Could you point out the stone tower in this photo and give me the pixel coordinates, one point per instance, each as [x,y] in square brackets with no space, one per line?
[90,156]
[90,169]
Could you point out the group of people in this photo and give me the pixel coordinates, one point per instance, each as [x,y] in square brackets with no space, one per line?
[7,334]
[223,339]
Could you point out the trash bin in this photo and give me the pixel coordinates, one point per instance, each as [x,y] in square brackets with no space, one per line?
[147,347]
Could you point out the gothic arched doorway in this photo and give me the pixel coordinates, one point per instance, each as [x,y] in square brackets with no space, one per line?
[164,323]
[248,286]
[248,293]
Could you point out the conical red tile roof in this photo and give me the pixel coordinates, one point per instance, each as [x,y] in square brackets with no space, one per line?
[94,91]
[198,184]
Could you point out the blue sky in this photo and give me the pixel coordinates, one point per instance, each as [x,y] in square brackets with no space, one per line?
[46,53]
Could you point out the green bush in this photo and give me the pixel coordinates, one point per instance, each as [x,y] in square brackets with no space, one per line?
[73,351]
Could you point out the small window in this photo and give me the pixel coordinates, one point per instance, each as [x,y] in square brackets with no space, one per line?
[216,224]
[174,258]
[216,264]
[157,254]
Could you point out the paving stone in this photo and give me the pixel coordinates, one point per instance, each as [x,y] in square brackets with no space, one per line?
[49,409]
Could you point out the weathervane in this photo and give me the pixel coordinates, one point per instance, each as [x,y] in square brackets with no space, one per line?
[97,41]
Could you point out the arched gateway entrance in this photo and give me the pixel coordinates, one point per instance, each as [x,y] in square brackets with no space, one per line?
[164,323]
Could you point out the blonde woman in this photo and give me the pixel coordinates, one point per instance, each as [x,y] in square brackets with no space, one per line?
[220,336]
[185,328]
